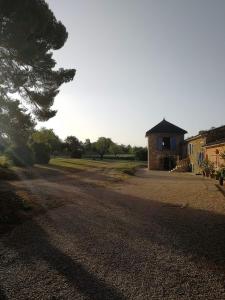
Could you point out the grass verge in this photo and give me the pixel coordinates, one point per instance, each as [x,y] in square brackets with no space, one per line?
[121,166]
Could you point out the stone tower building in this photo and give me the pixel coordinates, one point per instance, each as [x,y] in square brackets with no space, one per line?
[165,145]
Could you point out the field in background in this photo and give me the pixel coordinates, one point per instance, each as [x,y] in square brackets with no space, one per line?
[24,192]
[121,166]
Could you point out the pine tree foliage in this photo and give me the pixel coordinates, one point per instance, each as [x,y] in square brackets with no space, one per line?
[29,33]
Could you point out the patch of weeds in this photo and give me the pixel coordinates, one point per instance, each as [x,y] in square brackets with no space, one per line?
[4,162]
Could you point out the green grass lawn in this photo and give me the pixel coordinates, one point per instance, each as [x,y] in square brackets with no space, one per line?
[126,167]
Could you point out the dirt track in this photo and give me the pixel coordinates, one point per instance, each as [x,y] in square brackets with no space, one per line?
[155,236]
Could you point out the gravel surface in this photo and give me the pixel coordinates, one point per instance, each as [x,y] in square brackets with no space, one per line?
[155,236]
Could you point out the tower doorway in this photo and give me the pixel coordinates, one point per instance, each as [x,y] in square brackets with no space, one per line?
[169,163]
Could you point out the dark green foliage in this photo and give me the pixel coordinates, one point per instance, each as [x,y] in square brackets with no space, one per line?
[4,162]
[73,146]
[15,124]
[115,149]
[87,146]
[41,153]
[106,148]
[77,153]
[48,137]
[126,149]
[4,143]
[140,153]
[21,156]
[29,32]
[102,146]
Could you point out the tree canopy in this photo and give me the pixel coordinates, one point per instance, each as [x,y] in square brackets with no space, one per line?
[73,146]
[14,122]
[102,145]
[48,137]
[29,32]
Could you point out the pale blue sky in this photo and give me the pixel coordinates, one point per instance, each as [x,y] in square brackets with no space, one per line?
[138,61]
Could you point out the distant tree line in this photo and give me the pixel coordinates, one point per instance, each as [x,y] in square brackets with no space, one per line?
[104,148]
[43,143]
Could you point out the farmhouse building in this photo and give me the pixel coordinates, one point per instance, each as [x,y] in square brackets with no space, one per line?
[208,144]
[165,145]
[213,153]
[195,148]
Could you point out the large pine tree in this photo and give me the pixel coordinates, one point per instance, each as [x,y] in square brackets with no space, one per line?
[29,32]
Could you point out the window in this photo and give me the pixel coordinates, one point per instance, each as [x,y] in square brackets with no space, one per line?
[166,143]
[159,143]
[200,157]
[190,148]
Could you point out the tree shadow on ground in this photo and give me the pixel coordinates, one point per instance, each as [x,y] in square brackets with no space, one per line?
[75,273]
[198,233]
[78,163]
[35,244]
[13,209]
[49,172]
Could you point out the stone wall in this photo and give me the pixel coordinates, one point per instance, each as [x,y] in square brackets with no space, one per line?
[213,154]
[156,157]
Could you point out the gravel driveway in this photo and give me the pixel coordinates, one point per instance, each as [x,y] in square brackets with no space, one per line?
[154,236]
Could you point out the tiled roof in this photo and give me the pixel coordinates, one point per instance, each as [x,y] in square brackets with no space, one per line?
[166,127]
[205,133]
[217,142]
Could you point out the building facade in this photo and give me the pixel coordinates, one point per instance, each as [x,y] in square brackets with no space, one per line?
[167,149]
[165,145]
[196,152]
[213,153]
[207,144]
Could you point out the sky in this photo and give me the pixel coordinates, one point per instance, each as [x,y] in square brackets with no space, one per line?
[137,62]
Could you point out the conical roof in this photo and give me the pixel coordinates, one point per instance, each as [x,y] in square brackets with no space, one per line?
[166,127]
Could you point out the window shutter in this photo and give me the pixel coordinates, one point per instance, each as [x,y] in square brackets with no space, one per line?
[173,143]
[159,143]
[202,156]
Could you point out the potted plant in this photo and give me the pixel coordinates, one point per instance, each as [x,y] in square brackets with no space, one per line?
[211,169]
[208,168]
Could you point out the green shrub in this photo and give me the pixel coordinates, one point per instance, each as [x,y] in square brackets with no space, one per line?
[4,162]
[77,153]
[208,167]
[41,153]
[21,156]
[141,153]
